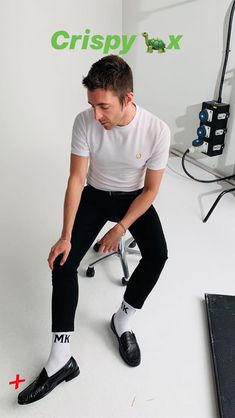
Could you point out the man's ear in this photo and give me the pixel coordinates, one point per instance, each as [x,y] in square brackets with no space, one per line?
[129,98]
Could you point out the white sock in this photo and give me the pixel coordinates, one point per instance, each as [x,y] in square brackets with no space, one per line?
[60,352]
[122,318]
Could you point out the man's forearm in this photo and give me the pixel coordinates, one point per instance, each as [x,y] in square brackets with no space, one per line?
[138,207]
[71,203]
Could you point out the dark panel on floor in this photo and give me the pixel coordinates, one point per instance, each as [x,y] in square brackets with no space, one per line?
[221,320]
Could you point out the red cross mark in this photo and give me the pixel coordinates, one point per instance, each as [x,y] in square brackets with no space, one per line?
[17,381]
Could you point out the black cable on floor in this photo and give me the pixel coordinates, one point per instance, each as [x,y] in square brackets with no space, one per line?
[202,181]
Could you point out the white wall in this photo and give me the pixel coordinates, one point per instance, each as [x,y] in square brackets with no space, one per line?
[174,85]
[41,92]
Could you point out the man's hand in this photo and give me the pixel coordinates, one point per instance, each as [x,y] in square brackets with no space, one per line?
[111,239]
[63,246]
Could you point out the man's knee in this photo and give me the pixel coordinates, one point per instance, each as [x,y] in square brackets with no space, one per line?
[68,270]
[156,260]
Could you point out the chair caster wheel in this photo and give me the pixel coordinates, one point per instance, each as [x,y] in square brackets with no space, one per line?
[124,281]
[90,272]
[132,244]
[96,247]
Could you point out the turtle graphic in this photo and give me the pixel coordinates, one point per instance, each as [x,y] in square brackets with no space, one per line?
[154,44]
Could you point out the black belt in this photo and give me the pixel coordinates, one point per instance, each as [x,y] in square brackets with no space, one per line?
[117,193]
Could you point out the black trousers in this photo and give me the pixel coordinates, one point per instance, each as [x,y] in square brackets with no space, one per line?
[95,209]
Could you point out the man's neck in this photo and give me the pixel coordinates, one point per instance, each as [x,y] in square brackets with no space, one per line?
[129,115]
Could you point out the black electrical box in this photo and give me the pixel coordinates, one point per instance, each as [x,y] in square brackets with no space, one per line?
[213,127]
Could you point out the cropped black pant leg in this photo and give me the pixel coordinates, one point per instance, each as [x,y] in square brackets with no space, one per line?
[148,233]
[90,218]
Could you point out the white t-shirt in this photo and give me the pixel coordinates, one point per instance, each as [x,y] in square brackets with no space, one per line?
[119,156]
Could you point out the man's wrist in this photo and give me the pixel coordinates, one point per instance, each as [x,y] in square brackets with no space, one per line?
[65,237]
[122,227]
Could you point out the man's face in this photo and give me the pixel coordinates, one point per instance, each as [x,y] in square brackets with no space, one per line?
[107,108]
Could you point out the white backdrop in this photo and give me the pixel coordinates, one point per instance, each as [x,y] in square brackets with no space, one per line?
[41,92]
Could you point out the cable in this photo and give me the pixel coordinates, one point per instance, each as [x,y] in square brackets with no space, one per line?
[227,53]
[202,181]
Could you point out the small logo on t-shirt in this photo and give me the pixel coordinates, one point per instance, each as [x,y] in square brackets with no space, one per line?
[138,155]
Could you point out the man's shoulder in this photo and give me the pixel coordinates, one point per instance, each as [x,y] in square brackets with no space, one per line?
[152,119]
[84,114]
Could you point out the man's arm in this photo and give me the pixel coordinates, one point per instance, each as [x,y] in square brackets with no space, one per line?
[139,206]
[76,181]
[143,202]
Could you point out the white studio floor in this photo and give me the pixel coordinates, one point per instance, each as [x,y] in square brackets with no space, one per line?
[175,378]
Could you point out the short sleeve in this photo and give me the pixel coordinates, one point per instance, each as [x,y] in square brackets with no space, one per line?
[79,145]
[160,154]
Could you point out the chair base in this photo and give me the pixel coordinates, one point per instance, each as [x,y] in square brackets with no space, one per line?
[124,248]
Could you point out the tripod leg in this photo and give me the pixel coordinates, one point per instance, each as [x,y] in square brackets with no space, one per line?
[216,202]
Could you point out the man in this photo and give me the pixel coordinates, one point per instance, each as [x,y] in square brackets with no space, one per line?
[121,150]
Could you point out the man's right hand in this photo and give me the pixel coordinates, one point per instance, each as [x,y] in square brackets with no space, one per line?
[63,246]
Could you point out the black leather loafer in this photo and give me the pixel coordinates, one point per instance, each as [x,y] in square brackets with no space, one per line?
[44,384]
[128,346]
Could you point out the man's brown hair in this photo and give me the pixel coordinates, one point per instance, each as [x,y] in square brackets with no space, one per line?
[110,73]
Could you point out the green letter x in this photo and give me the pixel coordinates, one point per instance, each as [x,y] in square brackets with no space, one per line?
[174,41]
